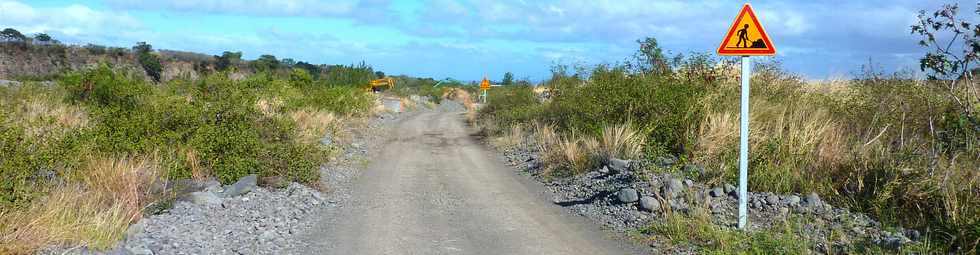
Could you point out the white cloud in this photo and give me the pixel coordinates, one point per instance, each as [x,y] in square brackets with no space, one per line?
[72,20]
[311,8]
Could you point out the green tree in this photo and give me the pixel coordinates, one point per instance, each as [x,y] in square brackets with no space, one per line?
[508,79]
[649,58]
[42,37]
[266,63]
[288,63]
[149,60]
[379,74]
[12,35]
[314,70]
[947,62]
[228,59]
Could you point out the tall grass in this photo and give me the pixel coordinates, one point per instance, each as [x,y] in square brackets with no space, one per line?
[896,147]
[94,208]
[68,174]
[572,154]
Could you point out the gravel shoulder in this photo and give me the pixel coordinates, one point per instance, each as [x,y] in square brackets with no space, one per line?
[245,218]
[626,196]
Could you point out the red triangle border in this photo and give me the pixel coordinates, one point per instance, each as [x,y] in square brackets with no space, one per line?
[771,50]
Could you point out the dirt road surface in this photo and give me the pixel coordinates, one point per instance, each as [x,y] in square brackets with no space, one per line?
[434,189]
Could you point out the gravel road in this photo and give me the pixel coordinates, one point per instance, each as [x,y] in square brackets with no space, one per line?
[431,188]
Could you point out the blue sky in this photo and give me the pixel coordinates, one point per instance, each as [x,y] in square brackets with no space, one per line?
[467,39]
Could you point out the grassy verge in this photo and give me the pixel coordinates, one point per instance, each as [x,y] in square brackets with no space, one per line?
[895,147]
[86,157]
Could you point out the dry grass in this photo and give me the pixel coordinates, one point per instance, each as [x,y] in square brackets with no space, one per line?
[198,171]
[576,154]
[312,124]
[44,118]
[619,141]
[794,135]
[94,208]
[269,107]
[513,138]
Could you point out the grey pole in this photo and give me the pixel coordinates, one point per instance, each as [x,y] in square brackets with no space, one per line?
[743,155]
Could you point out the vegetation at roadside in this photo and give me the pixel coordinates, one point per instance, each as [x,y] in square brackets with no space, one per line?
[83,158]
[901,148]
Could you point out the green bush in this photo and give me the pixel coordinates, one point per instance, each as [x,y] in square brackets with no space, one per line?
[344,100]
[215,117]
[28,163]
[509,105]
[661,106]
[103,87]
[300,78]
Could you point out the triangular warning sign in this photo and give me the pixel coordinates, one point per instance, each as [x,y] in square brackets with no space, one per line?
[747,37]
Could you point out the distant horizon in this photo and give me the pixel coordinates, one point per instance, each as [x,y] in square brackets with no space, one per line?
[466,40]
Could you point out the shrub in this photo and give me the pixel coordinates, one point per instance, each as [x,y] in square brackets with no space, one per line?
[661,106]
[511,105]
[103,87]
[300,78]
[149,60]
[214,121]
[94,207]
[342,100]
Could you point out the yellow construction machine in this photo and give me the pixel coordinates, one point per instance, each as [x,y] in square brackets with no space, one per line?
[378,85]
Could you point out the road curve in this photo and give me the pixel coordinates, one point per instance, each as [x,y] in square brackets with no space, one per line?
[433,189]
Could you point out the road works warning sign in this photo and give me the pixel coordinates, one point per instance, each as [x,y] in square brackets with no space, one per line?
[746,37]
[485,84]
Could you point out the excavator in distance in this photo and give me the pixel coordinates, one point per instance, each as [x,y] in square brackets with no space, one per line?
[378,85]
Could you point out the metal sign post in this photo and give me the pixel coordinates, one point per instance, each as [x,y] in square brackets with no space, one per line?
[745,38]
[484,86]
[743,148]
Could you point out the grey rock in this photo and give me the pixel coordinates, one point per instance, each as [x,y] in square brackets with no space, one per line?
[268,235]
[242,186]
[665,161]
[674,188]
[772,199]
[913,234]
[627,195]
[793,200]
[326,140]
[135,229]
[604,170]
[813,200]
[892,242]
[618,165]
[649,204]
[729,189]
[717,192]
[213,186]
[203,198]
[689,183]
[678,205]
[139,250]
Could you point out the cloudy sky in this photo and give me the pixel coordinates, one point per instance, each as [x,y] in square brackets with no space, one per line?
[467,39]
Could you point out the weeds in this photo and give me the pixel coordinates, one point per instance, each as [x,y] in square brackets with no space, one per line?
[67,176]
[697,230]
[895,147]
[94,208]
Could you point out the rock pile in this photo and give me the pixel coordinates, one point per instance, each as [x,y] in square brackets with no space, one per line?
[624,197]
